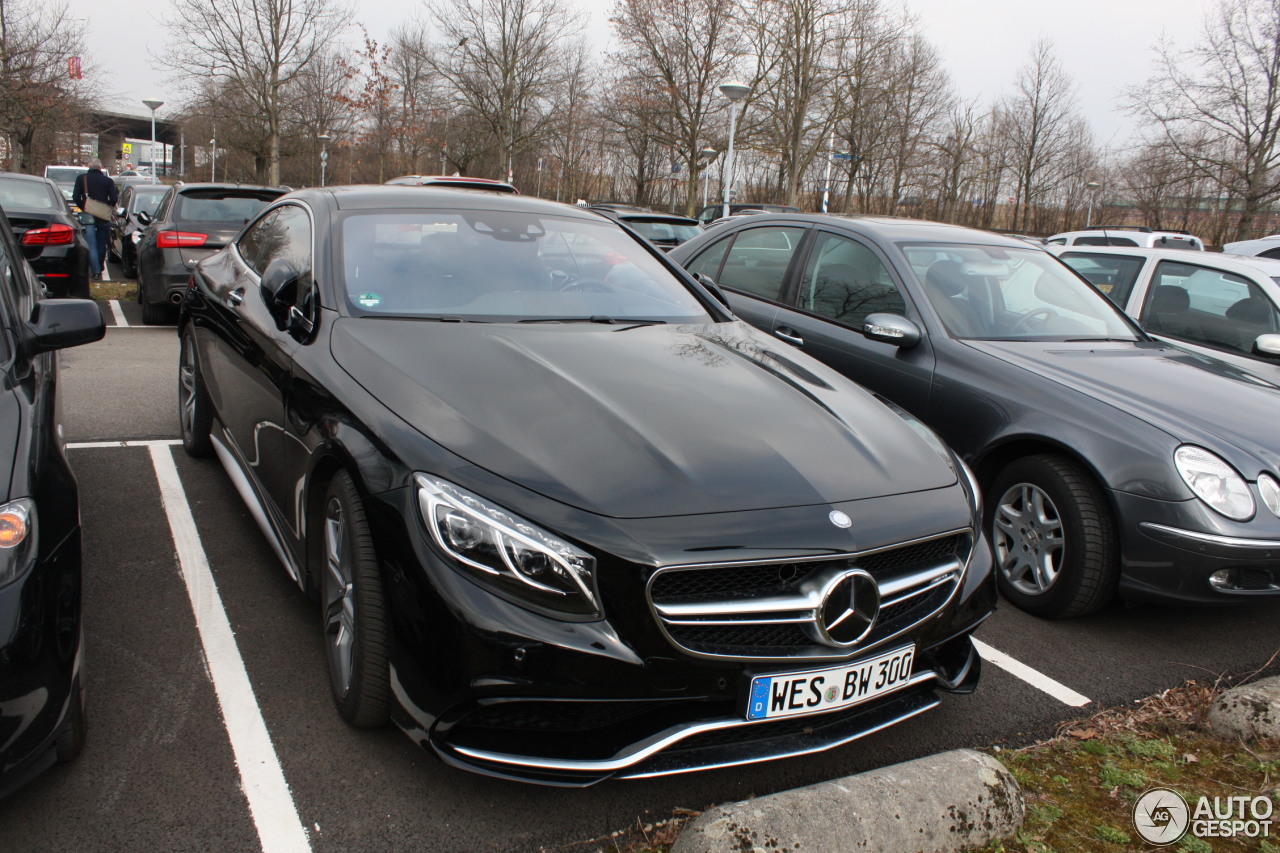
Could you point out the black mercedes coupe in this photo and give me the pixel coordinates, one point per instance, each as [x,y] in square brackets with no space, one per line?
[565,517]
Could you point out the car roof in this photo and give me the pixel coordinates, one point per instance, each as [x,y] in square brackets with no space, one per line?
[180,187]
[23,176]
[896,229]
[1267,266]
[462,182]
[648,216]
[384,197]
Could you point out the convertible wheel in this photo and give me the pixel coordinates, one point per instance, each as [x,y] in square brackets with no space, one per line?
[1056,546]
[195,415]
[355,624]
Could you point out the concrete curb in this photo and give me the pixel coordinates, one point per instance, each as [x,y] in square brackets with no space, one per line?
[948,802]
[1248,712]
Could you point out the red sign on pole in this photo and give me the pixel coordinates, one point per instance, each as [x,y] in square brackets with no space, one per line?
[73,68]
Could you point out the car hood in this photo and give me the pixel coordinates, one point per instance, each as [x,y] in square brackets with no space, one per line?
[639,422]
[1190,397]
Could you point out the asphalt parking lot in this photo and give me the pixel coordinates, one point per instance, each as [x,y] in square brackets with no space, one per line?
[211,726]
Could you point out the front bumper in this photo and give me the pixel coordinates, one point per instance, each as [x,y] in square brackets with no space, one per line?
[1181,552]
[496,689]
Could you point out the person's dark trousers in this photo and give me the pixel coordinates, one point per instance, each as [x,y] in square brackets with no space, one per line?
[97,236]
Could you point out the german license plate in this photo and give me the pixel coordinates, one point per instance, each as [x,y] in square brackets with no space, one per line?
[792,694]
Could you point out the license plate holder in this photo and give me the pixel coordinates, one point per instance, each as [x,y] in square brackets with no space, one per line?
[795,694]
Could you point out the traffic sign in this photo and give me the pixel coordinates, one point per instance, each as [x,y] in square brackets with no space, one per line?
[126,148]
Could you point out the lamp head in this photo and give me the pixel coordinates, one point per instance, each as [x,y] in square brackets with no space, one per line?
[153,103]
[735,90]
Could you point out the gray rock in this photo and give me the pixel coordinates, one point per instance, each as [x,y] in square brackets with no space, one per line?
[949,802]
[1248,712]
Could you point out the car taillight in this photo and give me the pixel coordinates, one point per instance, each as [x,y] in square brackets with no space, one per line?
[54,235]
[177,239]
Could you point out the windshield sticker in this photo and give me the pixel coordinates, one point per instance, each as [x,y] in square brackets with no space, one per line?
[369,300]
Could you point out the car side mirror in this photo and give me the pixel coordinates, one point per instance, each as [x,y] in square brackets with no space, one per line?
[891,329]
[278,282]
[119,211]
[60,323]
[1267,345]
[710,284]
[143,217]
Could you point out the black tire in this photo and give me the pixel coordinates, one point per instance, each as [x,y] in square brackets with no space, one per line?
[195,413]
[71,734]
[157,314]
[128,263]
[1056,546]
[352,609]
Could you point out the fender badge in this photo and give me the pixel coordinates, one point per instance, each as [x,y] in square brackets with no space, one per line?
[839,519]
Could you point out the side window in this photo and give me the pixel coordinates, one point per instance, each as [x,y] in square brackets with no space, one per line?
[708,263]
[1208,306]
[758,259]
[1121,241]
[256,240]
[1113,275]
[844,280]
[283,233]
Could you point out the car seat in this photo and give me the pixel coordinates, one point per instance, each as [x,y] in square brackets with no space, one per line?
[959,299]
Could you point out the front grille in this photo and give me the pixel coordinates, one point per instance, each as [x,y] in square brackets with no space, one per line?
[768,610]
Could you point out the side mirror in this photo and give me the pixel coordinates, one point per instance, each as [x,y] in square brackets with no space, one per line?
[119,211]
[60,323]
[710,284]
[1267,345]
[277,284]
[891,329]
[143,217]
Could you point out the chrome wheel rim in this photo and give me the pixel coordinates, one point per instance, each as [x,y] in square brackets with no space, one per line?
[339,599]
[187,390]
[1029,539]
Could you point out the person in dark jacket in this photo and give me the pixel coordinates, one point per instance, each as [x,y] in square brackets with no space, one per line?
[97,185]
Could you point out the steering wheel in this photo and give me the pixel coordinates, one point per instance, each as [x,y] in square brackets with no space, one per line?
[1023,323]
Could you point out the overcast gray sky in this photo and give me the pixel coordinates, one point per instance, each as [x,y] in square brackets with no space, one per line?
[1105,45]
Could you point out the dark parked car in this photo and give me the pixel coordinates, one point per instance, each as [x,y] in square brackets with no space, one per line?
[41,701]
[1110,462]
[51,239]
[127,228]
[457,182]
[192,222]
[664,230]
[566,518]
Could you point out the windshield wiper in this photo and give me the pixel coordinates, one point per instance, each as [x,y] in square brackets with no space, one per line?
[631,322]
[1100,340]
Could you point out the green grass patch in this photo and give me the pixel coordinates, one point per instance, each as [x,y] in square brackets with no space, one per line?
[125,291]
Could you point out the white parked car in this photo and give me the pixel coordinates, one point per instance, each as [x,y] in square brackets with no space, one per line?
[1263,247]
[1225,306]
[1127,235]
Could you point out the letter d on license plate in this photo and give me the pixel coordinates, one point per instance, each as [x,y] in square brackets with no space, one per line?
[794,693]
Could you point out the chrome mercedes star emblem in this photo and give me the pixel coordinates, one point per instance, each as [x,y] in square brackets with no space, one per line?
[839,519]
[850,604]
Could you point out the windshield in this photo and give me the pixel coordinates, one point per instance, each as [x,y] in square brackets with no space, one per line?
[1000,293]
[506,266]
[28,195]
[667,233]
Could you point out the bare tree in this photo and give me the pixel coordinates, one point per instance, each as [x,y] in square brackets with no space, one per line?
[1227,87]
[36,91]
[257,47]
[1042,124]
[507,61]
[675,53]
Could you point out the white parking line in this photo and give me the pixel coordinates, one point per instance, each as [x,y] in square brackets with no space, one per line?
[271,803]
[117,314]
[151,442]
[1036,679]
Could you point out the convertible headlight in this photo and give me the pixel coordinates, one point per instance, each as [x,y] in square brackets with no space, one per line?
[1270,491]
[17,538]
[1215,482]
[508,554]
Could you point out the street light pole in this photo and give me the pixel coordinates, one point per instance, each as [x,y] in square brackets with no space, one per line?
[735,92]
[705,156]
[213,160]
[154,104]
[826,182]
[1092,187]
[324,154]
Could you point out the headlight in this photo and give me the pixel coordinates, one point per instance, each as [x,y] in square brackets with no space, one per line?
[508,554]
[1214,482]
[17,538]
[1270,491]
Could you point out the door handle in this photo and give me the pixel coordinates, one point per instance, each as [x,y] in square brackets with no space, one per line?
[235,297]
[789,335]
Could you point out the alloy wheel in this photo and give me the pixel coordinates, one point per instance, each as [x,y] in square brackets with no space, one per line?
[1029,540]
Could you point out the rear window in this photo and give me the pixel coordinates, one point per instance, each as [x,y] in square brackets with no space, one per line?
[28,195]
[63,174]
[216,205]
